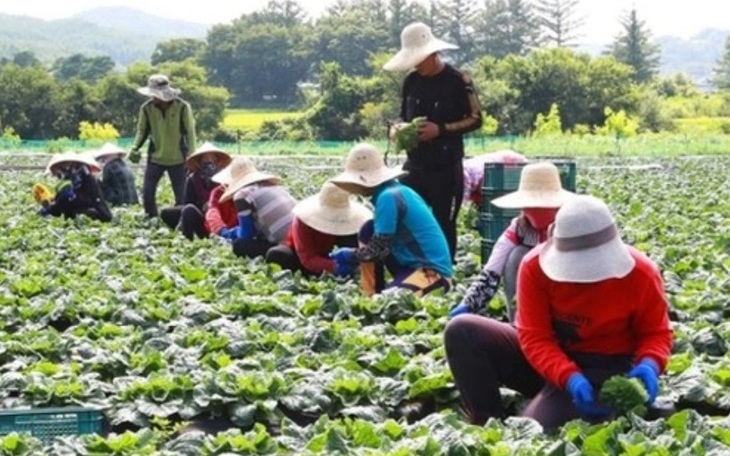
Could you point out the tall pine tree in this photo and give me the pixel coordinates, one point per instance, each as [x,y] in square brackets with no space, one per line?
[507,27]
[721,71]
[559,21]
[634,47]
[455,24]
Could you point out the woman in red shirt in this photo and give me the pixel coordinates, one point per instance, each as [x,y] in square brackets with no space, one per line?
[321,222]
[589,307]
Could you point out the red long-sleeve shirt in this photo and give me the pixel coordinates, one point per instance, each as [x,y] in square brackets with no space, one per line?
[311,246]
[626,316]
[219,215]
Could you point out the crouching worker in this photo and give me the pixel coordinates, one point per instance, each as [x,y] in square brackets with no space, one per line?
[539,195]
[77,191]
[264,209]
[320,223]
[590,307]
[202,165]
[117,181]
[403,236]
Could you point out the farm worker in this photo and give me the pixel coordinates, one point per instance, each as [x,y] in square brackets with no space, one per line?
[77,192]
[474,173]
[221,218]
[403,235]
[321,222]
[117,181]
[264,209]
[539,195]
[167,121]
[590,307]
[446,97]
[201,165]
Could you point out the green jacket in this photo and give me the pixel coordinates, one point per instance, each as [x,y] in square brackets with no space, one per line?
[171,132]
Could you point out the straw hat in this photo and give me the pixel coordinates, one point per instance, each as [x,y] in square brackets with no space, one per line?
[193,161]
[67,158]
[242,172]
[539,187]
[585,246]
[416,43]
[365,168]
[158,86]
[109,149]
[331,211]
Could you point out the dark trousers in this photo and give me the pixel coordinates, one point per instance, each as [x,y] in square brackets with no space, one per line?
[443,190]
[188,218]
[287,258]
[152,175]
[251,248]
[484,355]
[284,256]
[510,277]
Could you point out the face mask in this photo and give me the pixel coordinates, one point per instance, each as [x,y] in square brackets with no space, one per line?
[207,170]
[540,218]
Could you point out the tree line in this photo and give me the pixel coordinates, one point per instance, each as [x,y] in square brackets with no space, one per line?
[520,53]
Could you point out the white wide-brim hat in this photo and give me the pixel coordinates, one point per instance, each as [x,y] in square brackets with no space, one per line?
[331,211]
[72,157]
[241,173]
[109,149]
[193,161]
[585,246]
[540,186]
[158,86]
[416,43]
[365,168]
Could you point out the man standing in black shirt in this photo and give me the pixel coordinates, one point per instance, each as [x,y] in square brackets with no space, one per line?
[446,97]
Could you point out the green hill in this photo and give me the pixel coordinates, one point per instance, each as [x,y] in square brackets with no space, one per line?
[124,34]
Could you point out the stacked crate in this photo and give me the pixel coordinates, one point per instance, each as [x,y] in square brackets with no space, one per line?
[500,179]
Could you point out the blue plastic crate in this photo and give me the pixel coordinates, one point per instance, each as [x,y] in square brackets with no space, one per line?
[47,423]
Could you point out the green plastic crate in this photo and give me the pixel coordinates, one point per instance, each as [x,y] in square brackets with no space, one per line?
[47,423]
[500,179]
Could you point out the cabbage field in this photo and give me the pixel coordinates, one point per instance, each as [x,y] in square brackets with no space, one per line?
[189,350]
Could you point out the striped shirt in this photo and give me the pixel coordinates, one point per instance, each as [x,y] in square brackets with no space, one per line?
[272,206]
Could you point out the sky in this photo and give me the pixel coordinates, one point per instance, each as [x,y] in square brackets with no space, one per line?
[601,17]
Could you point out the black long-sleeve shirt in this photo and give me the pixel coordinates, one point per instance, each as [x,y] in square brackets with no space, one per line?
[449,100]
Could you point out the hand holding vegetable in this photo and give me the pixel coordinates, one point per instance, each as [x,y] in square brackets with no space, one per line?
[648,372]
[581,391]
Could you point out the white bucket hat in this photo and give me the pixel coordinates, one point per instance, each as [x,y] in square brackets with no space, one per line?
[109,149]
[365,168]
[193,161]
[416,43]
[539,186]
[241,172]
[585,246]
[332,212]
[158,86]
[72,157]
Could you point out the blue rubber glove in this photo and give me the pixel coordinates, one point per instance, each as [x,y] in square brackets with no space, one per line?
[68,193]
[228,233]
[458,310]
[344,256]
[344,269]
[245,229]
[581,391]
[648,372]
